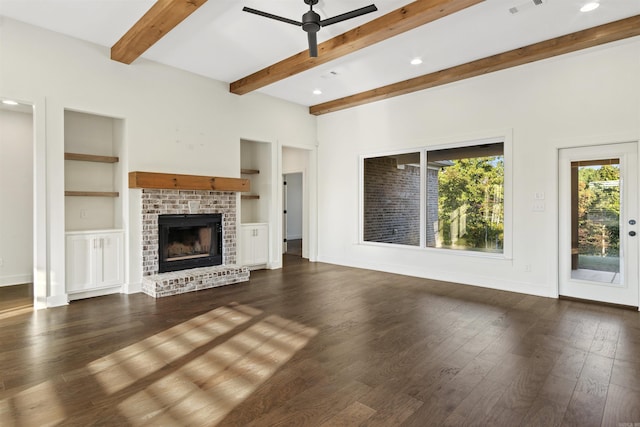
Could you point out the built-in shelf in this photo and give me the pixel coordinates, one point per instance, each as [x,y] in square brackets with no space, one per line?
[91,158]
[249,171]
[92,193]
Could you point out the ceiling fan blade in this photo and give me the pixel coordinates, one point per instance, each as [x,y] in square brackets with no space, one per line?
[269,15]
[313,44]
[348,15]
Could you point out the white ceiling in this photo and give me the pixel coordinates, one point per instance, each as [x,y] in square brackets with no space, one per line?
[220,41]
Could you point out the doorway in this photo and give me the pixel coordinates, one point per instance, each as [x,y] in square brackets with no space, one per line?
[598,223]
[298,224]
[16,206]
[292,213]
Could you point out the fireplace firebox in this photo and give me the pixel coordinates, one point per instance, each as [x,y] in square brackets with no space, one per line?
[189,241]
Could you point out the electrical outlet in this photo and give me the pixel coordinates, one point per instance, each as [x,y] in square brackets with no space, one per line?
[84,213]
[527,268]
[1,262]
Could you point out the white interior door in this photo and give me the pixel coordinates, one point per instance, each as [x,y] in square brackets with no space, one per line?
[598,223]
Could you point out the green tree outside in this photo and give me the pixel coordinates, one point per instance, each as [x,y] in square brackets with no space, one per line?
[471,204]
[599,210]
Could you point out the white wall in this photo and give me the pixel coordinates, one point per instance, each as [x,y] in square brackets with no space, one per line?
[587,97]
[174,121]
[16,197]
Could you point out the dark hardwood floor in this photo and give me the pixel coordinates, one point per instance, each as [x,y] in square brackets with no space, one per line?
[322,345]
[15,299]
[294,247]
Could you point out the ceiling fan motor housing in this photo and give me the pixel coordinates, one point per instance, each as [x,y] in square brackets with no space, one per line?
[311,22]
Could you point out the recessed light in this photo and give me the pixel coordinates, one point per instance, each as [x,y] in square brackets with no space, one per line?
[317,92]
[588,7]
[9,102]
[416,61]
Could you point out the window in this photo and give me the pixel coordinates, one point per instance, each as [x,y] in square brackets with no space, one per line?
[454,197]
[391,199]
[465,198]
[595,219]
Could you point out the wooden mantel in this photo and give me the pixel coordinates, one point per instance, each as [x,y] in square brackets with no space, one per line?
[169,181]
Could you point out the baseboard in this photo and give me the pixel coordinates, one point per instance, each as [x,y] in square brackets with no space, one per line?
[602,303]
[453,277]
[57,300]
[17,279]
[132,288]
[275,265]
[95,293]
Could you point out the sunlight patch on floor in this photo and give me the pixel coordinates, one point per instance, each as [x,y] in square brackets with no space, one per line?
[128,365]
[15,311]
[205,390]
[36,406]
[173,377]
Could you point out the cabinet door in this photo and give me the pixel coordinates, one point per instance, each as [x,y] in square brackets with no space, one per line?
[246,245]
[79,263]
[110,260]
[260,245]
[254,244]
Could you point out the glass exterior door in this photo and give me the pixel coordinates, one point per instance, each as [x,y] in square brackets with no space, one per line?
[598,209]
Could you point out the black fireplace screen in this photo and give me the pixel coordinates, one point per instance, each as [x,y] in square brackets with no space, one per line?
[189,241]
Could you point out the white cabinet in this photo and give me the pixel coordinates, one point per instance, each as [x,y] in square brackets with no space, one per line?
[254,244]
[94,260]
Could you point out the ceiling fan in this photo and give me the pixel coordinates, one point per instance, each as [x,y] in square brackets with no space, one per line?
[311,22]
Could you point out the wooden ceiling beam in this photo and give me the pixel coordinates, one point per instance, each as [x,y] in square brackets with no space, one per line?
[406,18]
[161,18]
[618,30]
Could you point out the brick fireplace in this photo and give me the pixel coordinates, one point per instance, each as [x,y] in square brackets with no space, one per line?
[156,202]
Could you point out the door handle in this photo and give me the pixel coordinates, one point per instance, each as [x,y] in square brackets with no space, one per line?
[632,233]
